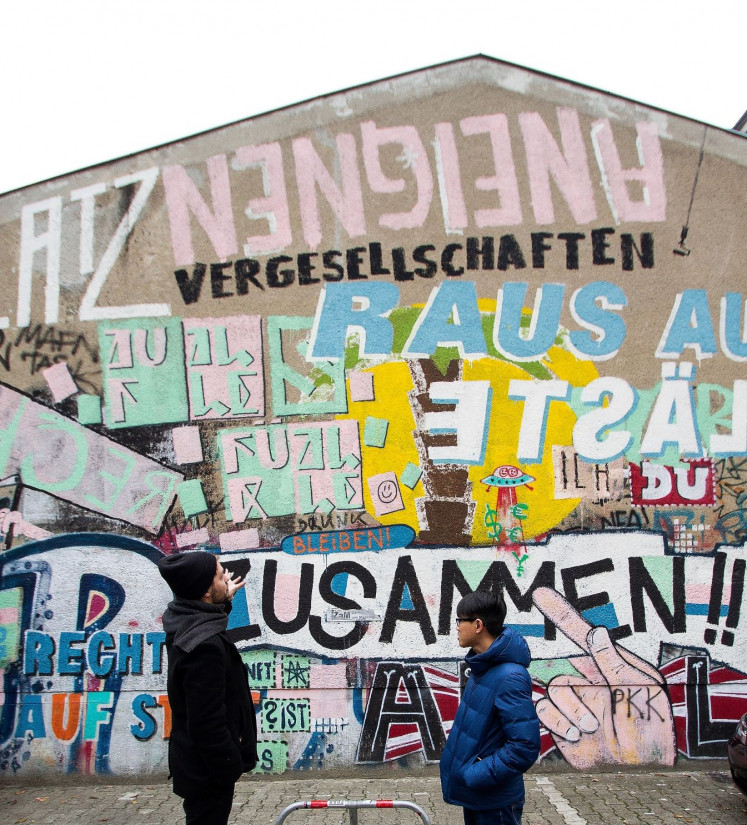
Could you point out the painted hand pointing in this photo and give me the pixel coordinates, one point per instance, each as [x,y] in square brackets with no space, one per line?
[616,710]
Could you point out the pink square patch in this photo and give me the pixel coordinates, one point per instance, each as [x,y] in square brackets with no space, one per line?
[60,381]
[187,445]
[385,493]
[361,386]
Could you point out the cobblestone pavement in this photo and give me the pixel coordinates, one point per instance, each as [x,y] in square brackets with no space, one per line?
[703,798]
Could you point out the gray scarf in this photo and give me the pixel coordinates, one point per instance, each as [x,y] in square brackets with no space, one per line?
[193,621]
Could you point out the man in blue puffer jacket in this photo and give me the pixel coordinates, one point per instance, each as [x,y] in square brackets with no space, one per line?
[495,737]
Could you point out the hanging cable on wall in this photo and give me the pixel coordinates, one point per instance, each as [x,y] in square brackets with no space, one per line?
[681,249]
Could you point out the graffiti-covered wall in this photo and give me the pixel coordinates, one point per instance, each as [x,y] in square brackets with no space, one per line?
[470,327]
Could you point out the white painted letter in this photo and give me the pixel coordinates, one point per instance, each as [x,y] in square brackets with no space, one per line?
[468,420]
[653,204]
[504,180]
[537,396]
[32,243]
[587,433]
[88,309]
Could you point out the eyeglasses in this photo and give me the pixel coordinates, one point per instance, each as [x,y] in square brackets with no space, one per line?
[458,621]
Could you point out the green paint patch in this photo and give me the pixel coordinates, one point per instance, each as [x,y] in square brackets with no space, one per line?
[443,356]
[139,357]
[662,573]
[285,715]
[273,757]
[261,667]
[545,670]
[402,320]
[375,430]
[257,484]
[473,571]
[319,391]
[192,497]
[89,410]
[295,671]
[411,475]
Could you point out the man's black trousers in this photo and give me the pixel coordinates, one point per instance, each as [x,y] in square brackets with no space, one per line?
[209,808]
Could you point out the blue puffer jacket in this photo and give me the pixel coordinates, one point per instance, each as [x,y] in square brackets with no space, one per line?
[495,737]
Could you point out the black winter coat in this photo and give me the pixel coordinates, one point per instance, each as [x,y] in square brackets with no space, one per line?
[213,725]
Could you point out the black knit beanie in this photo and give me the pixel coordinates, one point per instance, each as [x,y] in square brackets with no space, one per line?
[189,574]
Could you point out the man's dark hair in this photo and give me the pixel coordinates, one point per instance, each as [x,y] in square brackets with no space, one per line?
[489,607]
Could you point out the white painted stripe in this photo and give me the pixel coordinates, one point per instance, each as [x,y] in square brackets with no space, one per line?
[559,802]
[732,690]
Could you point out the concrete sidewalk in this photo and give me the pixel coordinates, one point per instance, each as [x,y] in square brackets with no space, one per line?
[703,798]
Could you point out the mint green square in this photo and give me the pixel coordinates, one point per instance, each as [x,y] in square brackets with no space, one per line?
[411,475]
[273,757]
[295,671]
[374,433]
[261,666]
[140,358]
[89,409]
[192,497]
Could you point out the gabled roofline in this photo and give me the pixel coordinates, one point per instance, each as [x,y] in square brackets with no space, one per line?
[460,60]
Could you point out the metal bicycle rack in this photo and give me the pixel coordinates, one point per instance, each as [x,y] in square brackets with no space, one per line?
[353,806]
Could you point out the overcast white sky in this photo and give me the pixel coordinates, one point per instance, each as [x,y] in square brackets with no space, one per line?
[86,81]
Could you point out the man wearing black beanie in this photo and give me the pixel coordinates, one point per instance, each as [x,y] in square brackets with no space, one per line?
[213,726]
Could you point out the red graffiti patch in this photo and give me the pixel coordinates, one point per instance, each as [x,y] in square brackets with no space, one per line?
[689,486]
